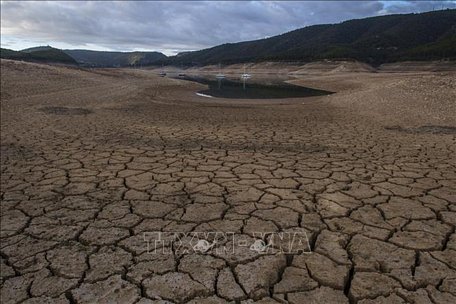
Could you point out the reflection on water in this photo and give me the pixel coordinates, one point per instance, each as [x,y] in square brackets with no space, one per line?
[251,88]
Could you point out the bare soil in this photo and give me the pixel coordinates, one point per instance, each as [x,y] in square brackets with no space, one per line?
[91,160]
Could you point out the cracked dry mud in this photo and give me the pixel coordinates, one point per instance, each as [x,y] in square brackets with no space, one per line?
[93,159]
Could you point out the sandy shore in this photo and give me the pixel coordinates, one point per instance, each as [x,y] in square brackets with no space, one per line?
[94,161]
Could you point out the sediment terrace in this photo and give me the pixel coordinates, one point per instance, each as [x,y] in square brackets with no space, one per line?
[92,159]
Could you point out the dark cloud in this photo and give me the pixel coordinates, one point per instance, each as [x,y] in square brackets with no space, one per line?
[177,26]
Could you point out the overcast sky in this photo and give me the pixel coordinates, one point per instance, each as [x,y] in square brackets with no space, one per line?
[172,27]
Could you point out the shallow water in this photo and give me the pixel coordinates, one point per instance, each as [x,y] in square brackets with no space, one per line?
[252,88]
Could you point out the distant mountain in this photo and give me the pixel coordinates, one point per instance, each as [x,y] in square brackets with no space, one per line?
[375,40]
[39,54]
[114,59]
[84,57]
[38,48]
[15,55]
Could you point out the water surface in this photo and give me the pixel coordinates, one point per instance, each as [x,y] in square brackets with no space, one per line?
[252,88]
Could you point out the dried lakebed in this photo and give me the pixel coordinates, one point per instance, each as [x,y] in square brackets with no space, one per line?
[85,197]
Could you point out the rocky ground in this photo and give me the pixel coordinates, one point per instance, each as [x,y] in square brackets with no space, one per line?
[94,162]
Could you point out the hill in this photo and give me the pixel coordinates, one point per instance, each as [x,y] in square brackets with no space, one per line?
[114,59]
[39,54]
[38,48]
[375,40]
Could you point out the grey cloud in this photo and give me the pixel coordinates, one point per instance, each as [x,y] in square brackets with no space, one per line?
[180,26]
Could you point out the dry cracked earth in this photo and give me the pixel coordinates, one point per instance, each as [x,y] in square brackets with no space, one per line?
[94,160]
